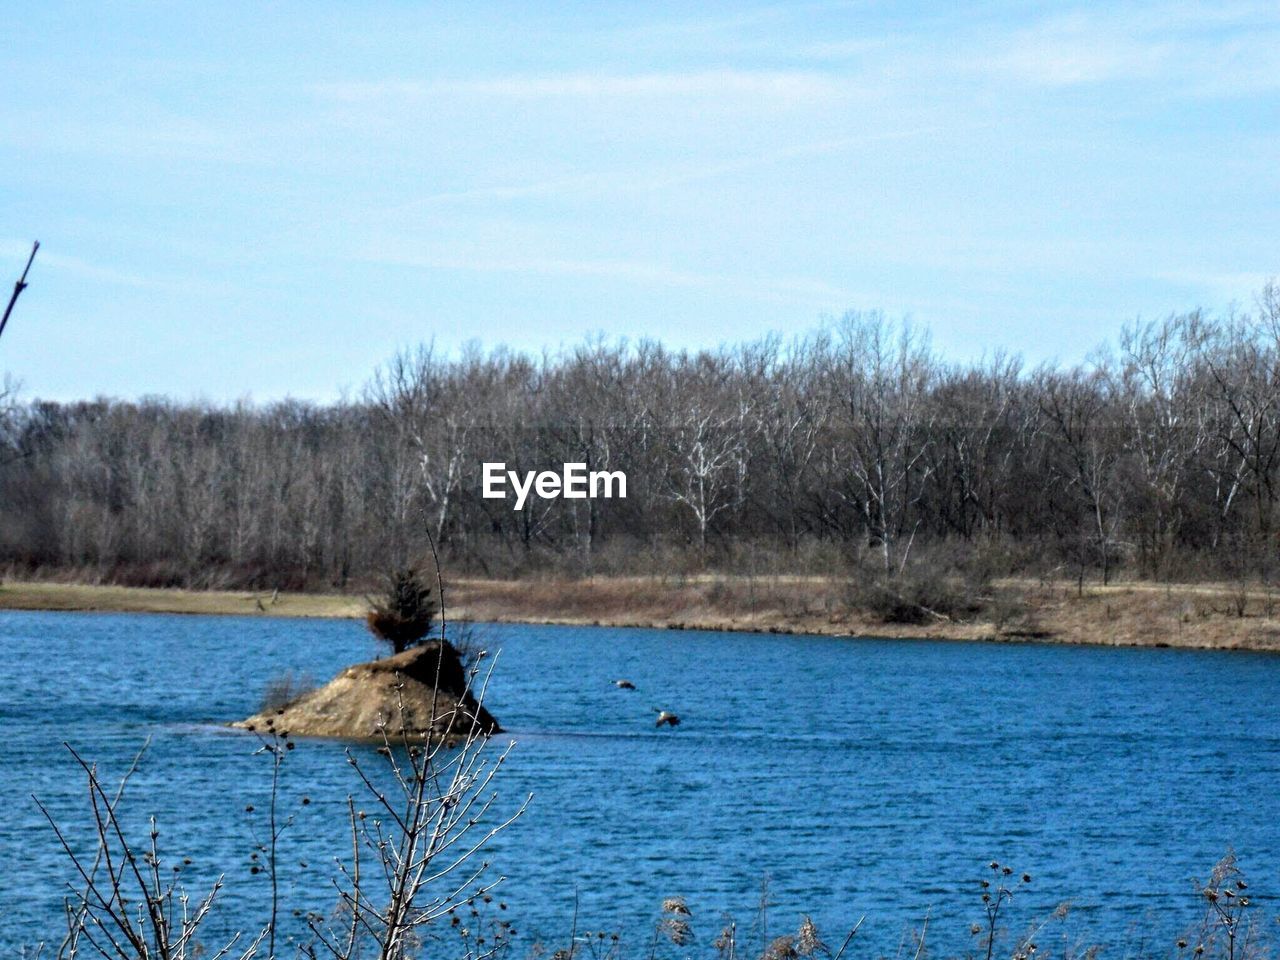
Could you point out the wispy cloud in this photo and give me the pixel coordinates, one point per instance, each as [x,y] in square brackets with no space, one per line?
[616,182]
[787,289]
[795,86]
[1062,59]
[1229,48]
[113,134]
[741,165]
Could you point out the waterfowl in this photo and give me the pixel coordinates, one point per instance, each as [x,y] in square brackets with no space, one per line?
[624,684]
[667,717]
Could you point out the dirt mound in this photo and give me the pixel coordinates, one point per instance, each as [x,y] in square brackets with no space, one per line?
[422,691]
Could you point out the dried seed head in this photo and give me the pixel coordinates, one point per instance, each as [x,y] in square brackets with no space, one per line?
[808,941]
[676,905]
[677,930]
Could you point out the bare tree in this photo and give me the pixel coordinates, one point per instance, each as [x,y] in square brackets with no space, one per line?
[1075,408]
[707,430]
[879,383]
[853,440]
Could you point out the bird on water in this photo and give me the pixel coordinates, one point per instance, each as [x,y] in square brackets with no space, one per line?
[624,684]
[667,717]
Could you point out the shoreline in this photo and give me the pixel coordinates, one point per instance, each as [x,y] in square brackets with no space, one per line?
[1132,614]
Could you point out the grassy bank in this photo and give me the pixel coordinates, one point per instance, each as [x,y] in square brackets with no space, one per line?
[1204,616]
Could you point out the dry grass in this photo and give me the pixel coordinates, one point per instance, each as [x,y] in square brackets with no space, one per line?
[1206,616]
[73,596]
[1139,614]
[1203,616]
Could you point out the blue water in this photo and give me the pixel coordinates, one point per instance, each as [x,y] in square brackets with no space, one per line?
[858,777]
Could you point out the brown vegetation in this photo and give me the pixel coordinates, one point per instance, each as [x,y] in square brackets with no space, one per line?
[284,690]
[1135,614]
[403,615]
[70,596]
[1210,616]
[850,450]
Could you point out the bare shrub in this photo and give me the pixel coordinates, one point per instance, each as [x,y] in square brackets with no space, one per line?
[916,597]
[1228,928]
[470,640]
[127,900]
[943,583]
[413,859]
[284,689]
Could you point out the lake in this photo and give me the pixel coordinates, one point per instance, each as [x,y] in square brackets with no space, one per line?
[856,776]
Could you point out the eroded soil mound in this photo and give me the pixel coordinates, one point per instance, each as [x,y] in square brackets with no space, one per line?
[420,692]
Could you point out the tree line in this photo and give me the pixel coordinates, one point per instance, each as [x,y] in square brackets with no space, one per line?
[854,447]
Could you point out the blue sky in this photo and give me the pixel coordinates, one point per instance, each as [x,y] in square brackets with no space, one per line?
[269,199]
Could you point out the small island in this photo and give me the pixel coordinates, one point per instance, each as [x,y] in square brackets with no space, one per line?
[424,690]
[418,693]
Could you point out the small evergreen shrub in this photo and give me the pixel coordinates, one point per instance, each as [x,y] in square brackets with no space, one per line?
[405,613]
